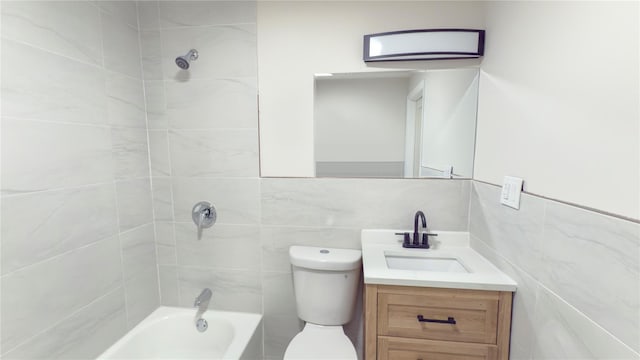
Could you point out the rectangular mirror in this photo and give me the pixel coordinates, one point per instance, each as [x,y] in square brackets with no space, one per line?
[396,124]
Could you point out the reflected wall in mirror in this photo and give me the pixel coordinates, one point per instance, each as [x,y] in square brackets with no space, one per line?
[396,124]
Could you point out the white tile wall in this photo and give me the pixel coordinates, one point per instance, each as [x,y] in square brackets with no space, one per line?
[369,203]
[125,11]
[76,198]
[214,153]
[593,263]
[206,103]
[48,292]
[121,46]
[169,293]
[125,102]
[38,156]
[38,226]
[562,332]
[40,85]
[135,206]
[578,287]
[156,104]
[159,142]
[162,199]
[67,28]
[82,335]
[148,15]
[199,13]
[232,247]
[130,153]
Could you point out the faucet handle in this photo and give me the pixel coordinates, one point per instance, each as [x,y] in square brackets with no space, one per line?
[425,239]
[406,238]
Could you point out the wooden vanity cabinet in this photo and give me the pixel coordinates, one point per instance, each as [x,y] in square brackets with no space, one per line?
[412,323]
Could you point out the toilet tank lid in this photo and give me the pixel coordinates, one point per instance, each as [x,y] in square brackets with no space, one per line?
[321,258]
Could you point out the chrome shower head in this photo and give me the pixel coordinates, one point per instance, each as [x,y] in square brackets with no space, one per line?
[183,61]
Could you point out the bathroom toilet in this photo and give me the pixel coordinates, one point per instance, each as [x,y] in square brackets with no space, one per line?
[325,281]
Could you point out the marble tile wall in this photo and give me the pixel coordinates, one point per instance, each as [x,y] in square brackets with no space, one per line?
[78,246]
[203,137]
[578,275]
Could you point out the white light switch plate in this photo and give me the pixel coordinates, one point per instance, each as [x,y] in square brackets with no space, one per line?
[511,190]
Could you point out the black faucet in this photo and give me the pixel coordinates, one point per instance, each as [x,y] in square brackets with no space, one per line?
[416,235]
[416,243]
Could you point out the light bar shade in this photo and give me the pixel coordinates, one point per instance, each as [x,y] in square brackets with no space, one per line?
[429,44]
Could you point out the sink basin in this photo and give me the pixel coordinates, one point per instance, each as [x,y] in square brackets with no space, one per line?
[450,265]
[450,262]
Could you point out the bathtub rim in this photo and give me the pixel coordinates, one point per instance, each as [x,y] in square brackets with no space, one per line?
[242,322]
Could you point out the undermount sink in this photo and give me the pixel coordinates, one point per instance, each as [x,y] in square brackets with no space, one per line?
[433,264]
[449,262]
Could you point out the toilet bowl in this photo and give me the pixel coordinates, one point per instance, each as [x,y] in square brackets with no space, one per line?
[325,281]
[321,342]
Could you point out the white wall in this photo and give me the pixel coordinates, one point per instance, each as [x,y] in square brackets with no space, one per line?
[449,128]
[559,101]
[298,39]
[559,107]
[360,119]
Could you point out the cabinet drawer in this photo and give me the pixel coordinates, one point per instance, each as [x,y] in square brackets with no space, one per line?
[475,314]
[390,348]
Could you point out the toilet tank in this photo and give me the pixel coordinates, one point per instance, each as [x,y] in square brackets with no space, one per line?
[326,282]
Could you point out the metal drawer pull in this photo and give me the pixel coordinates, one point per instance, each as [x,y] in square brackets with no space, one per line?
[449,320]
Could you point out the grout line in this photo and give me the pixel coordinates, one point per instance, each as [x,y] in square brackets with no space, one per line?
[84,62]
[31,192]
[346,179]
[187,27]
[252,130]
[56,256]
[18,193]
[115,189]
[583,207]
[471,191]
[149,168]
[242,271]
[57,122]
[573,308]
[126,307]
[106,125]
[99,66]
[126,232]
[168,154]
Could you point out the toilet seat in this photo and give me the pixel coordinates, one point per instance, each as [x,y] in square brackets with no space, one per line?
[321,342]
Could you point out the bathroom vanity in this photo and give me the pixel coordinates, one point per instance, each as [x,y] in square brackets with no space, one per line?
[446,302]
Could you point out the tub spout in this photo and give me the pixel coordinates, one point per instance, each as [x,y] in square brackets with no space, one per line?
[202,302]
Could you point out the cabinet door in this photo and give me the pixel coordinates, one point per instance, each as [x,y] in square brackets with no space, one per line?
[391,348]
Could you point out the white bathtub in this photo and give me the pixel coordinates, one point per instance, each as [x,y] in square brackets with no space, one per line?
[170,333]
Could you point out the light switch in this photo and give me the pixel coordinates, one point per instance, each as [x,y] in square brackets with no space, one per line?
[511,190]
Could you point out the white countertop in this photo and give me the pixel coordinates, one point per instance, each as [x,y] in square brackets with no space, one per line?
[481,275]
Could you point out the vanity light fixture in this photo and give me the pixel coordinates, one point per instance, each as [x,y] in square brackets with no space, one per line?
[428,44]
